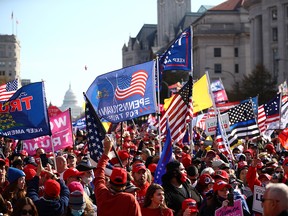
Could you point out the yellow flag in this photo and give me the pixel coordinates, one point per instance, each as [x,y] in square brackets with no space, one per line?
[167,102]
[106,125]
[201,97]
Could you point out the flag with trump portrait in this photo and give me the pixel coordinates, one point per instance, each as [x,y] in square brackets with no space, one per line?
[124,94]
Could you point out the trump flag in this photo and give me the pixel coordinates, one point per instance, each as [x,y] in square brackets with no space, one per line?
[124,94]
[24,115]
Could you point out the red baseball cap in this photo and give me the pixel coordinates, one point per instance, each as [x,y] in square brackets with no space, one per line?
[52,188]
[138,166]
[191,204]
[221,174]
[71,172]
[270,147]
[205,179]
[265,175]
[123,154]
[219,185]
[242,165]
[118,176]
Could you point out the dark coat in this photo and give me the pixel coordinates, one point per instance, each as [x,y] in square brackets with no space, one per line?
[56,207]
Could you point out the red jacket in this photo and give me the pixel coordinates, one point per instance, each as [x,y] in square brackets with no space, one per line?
[108,203]
[252,178]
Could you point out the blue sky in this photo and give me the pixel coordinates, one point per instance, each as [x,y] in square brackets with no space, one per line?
[59,37]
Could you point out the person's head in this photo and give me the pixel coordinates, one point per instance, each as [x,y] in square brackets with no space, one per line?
[265,179]
[71,160]
[242,171]
[192,205]
[118,179]
[51,189]
[39,151]
[2,170]
[139,174]
[72,174]
[25,206]
[192,174]
[154,196]
[77,202]
[16,176]
[285,165]
[275,199]
[221,189]
[205,184]
[87,169]
[61,164]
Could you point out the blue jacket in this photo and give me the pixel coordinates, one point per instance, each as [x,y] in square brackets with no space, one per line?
[45,207]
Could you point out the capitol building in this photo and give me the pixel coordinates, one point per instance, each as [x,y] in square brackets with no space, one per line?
[70,101]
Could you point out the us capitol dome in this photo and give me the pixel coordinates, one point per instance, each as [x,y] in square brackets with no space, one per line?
[70,101]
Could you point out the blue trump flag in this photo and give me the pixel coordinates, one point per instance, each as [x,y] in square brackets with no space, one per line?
[124,94]
[24,115]
[165,158]
[178,55]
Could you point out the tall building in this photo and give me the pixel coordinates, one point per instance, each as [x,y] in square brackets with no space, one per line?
[172,18]
[269,35]
[9,58]
[70,101]
[221,43]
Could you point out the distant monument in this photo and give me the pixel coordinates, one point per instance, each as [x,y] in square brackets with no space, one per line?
[70,101]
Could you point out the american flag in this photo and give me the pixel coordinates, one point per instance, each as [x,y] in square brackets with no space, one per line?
[272,109]
[178,113]
[261,119]
[219,139]
[95,132]
[8,89]
[131,85]
[242,122]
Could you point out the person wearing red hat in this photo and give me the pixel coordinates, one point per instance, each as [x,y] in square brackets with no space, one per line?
[56,193]
[111,200]
[270,149]
[140,180]
[72,174]
[221,190]
[154,202]
[189,207]
[205,185]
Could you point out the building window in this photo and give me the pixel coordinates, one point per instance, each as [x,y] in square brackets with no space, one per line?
[217,52]
[236,54]
[2,64]
[274,14]
[274,34]
[2,73]
[217,68]
[236,68]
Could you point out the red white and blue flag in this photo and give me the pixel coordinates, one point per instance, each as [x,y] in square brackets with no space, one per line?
[131,85]
[272,109]
[8,89]
[124,94]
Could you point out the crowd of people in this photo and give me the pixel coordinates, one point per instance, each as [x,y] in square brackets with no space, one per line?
[197,181]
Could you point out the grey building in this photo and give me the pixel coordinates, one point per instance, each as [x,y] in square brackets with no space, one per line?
[9,58]
[269,35]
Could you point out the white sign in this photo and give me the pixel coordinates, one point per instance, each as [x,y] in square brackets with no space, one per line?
[211,124]
[257,197]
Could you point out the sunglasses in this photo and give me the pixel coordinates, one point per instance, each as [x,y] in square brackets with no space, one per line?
[25,212]
[279,172]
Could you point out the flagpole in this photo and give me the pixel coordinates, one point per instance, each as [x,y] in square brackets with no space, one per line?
[53,150]
[12,18]
[73,138]
[158,98]
[95,114]
[219,118]
[191,73]
[280,106]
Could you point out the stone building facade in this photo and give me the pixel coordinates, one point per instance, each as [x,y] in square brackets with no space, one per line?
[269,35]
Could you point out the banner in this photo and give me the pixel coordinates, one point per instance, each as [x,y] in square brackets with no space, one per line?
[124,94]
[257,198]
[61,135]
[24,116]
[235,210]
[211,124]
[53,111]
